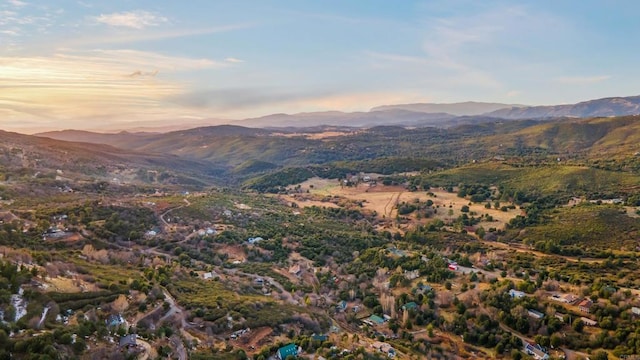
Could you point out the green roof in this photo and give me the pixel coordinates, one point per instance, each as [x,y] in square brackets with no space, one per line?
[409,306]
[376,319]
[289,350]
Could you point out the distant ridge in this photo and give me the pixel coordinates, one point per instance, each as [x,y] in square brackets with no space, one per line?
[468,108]
[405,115]
[612,106]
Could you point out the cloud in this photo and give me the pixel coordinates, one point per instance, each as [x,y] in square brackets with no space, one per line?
[577,80]
[150,35]
[140,73]
[10,32]
[17,3]
[138,19]
[73,87]
[233,60]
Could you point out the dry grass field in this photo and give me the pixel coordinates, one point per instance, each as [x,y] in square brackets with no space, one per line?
[384,200]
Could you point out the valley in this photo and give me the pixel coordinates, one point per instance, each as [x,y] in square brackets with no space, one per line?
[482,241]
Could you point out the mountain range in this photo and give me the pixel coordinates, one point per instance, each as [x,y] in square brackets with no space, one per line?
[447,115]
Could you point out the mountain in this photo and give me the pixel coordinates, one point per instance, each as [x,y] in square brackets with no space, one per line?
[613,106]
[354,119]
[468,108]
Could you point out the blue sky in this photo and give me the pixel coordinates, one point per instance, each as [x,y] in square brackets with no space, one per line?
[118,64]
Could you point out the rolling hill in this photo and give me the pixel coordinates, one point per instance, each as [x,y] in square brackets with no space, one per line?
[76,161]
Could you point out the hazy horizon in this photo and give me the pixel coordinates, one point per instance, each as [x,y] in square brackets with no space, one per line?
[160,64]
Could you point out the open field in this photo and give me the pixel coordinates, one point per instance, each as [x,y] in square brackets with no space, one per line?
[384,200]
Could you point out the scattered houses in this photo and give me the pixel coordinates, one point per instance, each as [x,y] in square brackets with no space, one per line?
[516,294]
[635,310]
[588,321]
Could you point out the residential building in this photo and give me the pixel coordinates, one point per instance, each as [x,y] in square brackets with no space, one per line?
[516,294]
[585,305]
[537,351]
[374,320]
[535,314]
[128,340]
[588,321]
[288,350]
[635,310]
[409,306]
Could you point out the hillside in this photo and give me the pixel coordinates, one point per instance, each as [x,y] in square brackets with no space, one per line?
[56,159]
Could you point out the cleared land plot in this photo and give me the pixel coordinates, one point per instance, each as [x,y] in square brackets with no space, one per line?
[384,199]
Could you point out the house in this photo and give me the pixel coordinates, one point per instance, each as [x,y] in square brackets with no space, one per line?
[254,240]
[535,314]
[374,320]
[295,270]
[516,294]
[588,321]
[210,275]
[585,305]
[422,289]
[635,310]
[288,350]
[128,341]
[409,306]
[384,348]
[342,306]
[537,351]
[115,321]
[410,275]
[319,337]
[559,316]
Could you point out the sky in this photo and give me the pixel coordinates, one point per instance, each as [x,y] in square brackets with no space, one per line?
[119,64]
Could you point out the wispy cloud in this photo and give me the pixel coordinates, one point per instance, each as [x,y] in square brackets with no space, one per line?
[233,60]
[17,3]
[577,80]
[147,35]
[138,19]
[98,84]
